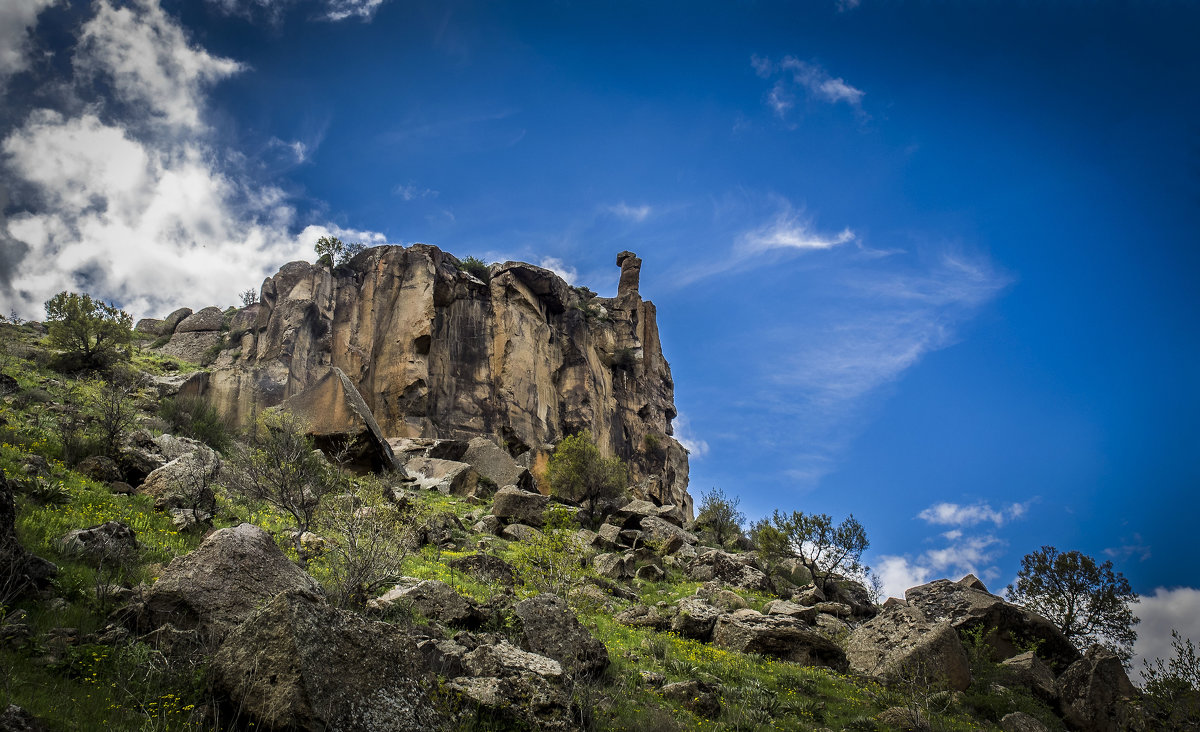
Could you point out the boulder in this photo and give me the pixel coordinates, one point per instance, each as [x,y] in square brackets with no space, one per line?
[1021,722]
[518,700]
[512,504]
[900,643]
[791,609]
[172,321]
[749,631]
[667,535]
[496,464]
[206,319]
[650,573]
[1095,694]
[695,619]
[610,535]
[1009,626]
[16,719]
[519,532]
[110,543]
[300,664]
[221,582]
[836,609]
[185,482]
[100,468]
[193,346]
[643,616]
[485,568]
[433,600]
[444,476]
[504,659]
[339,421]
[613,566]
[697,697]
[20,571]
[149,326]
[724,568]
[550,628]
[489,524]
[1028,671]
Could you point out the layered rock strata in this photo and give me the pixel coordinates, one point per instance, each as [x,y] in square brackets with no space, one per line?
[435,352]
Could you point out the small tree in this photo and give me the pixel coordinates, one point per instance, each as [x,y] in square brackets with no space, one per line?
[475,267]
[89,331]
[331,252]
[1087,601]
[551,562]
[1173,688]
[114,409]
[579,473]
[368,539]
[279,465]
[823,548]
[720,514]
[249,297]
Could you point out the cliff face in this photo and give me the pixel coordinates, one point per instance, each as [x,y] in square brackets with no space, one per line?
[435,352]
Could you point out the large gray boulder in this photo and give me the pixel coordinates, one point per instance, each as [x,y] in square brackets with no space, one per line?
[496,464]
[220,584]
[445,476]
[1021,722]
[1008,626]
[728,570]
[1095,694]
[300,664]
[186,481]
[206,319]
[1028,671]
[340,423]
[667,535]
[112,543]
[900,643]
[550,628]
[695,619]
[749,631]
[513,504]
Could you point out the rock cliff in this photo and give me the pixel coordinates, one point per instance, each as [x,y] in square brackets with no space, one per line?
[436,352]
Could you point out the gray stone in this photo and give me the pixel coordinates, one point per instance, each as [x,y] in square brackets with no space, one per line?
[748,631]
[339,421]
[550,628]
[613,566]
[791,609]
[172,321]
[496,464]
[1029,671]
[185,482]
[900,644]
[110,543]
[207,319]
[433,600]
[695,619]
[655,529]
[489,524]
[300,664]
[643,616]
[100,468]
[519,532]
[444,476]
[724,568]
[520,506]
[1095,693]
[1021,722]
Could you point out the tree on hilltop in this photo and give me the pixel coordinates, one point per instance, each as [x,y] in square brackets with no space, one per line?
[1087,601]
[90,332]
[823,548]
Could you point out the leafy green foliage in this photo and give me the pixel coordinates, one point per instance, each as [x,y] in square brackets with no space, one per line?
[197,418]
[332,252]
[825,549]
[90,332]
[1173,688]
[476,267]
[578,472]
[1087,601]
[719,514]
[551,562]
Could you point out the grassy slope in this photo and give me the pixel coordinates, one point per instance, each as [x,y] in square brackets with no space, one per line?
[90,686]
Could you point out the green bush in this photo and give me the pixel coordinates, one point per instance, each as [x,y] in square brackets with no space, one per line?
[578,472]
[197,418]
[476,267]
[89,332]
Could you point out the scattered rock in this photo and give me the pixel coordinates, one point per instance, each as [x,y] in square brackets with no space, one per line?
[496,464]
[222,582]
[1029,672]
[643,616]
[650,573]
[749,631]
[16,719]
[432,599]
[1021,722]
[723,567]
[520,532]
[613,566]
[900,643]
[172,321]
[695,619]
[486,568]
[520,506]
[551,629]
[299,663]
[1095,693]
[697,697]
[667,535]
[836,609]
[112,542]
[100,468]
[207,319]
[185,481]
[445,476]
[489,524]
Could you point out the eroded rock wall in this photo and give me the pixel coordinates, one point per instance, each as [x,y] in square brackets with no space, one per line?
[435,352]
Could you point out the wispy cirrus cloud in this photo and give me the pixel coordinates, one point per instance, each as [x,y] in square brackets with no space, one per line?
[625,211]
[789,230]
[332,10]
[796,80]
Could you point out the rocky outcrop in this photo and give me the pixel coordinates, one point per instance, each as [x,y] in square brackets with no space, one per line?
[551,629]
[749,631]
[900,643]
[300,664]
[523,359]
[340,422]
[966,608]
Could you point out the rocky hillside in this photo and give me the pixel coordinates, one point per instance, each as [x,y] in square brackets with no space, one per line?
[160,572]
[512,353]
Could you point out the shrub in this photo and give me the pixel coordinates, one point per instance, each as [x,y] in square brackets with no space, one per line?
[823,548]
[477,268]
[578,472]
[368,540]
[551,562]
[720,515]
[197,418]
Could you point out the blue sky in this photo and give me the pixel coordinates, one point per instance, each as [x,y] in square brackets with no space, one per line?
[926,263]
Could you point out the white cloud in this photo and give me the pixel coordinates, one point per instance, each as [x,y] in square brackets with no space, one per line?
[633,213]
[789,231]
[343,9]
[800,78]
[146,57]
[1166,610]
[560,268]
[695,446]
[411,192]
[17,17]
[954,514]
[962,556]
[334,10]
[113,202]
[899,574]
